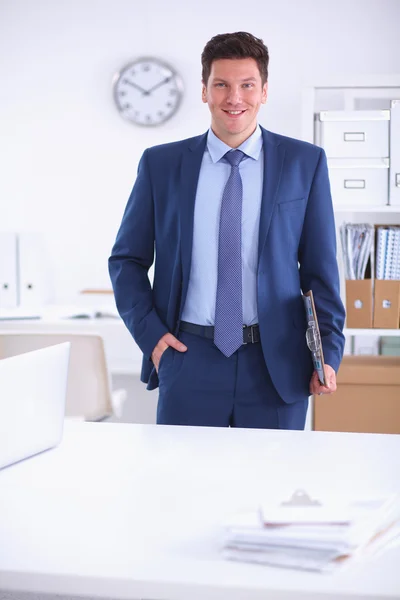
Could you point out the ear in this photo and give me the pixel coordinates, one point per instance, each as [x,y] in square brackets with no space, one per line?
[264,93]
[204,93]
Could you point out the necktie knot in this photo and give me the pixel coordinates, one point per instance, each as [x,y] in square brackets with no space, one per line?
[234,157]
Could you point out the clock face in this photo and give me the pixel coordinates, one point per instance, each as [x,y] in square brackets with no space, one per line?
[148,91]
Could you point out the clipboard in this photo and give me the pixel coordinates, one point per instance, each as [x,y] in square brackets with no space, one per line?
[313,336]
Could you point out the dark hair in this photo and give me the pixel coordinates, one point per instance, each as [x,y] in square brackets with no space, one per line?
[235,45]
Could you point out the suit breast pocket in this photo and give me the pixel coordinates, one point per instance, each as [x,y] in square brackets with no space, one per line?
[292,205]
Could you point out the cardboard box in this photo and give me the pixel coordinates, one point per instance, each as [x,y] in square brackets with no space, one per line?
[386,304]
[367,399]
[359,303]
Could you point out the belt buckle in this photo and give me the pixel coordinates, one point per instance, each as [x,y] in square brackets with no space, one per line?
[252,334]
[252,341]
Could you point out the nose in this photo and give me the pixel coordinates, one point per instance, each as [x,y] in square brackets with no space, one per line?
[234,95]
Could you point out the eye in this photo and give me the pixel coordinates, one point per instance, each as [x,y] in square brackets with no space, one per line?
[220,84]
[247,85]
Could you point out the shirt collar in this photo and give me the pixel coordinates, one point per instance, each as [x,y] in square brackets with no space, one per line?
[251,147]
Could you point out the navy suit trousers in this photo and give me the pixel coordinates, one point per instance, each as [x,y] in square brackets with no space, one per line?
[203,387]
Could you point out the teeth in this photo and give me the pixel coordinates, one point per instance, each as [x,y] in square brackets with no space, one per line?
[234,112]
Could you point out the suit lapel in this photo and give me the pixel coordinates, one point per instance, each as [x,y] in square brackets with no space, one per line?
[189,177]
[273,164]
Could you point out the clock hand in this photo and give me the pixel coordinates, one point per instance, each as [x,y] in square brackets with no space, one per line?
[159,84]
[144,92]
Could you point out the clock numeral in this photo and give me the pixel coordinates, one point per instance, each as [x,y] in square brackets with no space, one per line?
[172,92]
[146,67]
[126,106]
[169,104]
[121,93]
[160,113]
[148,118]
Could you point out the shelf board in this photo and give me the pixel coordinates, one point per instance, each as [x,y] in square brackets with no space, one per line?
[379,332]
[367,209]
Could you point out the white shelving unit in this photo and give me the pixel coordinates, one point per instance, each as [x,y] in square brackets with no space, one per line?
[373,92]
[373,332]
[382,210]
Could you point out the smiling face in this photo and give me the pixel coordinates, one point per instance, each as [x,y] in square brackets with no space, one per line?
[234,93]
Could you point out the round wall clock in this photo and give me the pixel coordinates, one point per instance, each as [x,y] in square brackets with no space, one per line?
[148,91]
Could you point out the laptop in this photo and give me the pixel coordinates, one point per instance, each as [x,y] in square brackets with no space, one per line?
[33,388]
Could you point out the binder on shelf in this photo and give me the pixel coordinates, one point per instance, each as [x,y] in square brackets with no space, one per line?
[387,304]
[34,270]
[381,242]
[8,270]
[357,243]
[387,282]
[397,256]
[390,254]
[359,303]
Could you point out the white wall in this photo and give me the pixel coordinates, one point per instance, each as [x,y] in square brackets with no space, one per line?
[68,160]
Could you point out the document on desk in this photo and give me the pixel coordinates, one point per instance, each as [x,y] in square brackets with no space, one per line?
[57,312]
[18,313]
[313,336]
[78,311]
[314,538]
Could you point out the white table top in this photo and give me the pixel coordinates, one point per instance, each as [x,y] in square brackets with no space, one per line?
[135,511]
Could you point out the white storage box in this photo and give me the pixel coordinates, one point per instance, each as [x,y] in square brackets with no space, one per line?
[359,183]
[355,134]
[394,189]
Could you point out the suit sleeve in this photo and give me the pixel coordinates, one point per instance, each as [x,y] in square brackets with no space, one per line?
[131,257]
[318,264]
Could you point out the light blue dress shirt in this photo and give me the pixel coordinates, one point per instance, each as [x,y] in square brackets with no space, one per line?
[214,172]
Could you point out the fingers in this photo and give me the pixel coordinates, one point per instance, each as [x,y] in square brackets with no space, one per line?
[167,340]
[315,384]
[171,340]
[316,388]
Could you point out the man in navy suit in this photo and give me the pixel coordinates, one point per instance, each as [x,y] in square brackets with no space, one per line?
[241,222]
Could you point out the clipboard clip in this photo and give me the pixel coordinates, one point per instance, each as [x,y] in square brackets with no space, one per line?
[300,498]
[313,338]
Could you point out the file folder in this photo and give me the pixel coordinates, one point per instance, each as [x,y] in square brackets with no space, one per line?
[8,270]
[34,270]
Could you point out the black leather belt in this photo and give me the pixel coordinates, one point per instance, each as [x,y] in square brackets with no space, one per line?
[251,333]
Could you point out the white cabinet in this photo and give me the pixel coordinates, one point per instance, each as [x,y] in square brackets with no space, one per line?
[394,192]
[8,270]
[355,134]
[360,183]
[357,145]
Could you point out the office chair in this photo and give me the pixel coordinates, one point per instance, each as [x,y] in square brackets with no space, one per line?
[89,395]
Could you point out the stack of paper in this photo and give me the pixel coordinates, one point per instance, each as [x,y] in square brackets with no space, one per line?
[357,241]
[312,536]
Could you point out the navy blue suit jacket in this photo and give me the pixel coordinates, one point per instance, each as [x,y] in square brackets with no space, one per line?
[297,252]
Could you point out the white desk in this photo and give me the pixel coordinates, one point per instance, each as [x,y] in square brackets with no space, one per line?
[134,511]
[123,354]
